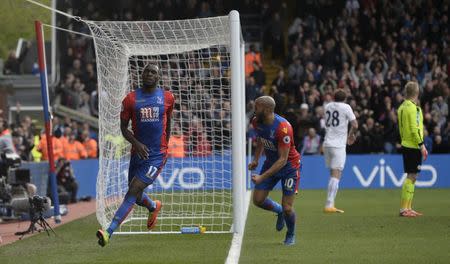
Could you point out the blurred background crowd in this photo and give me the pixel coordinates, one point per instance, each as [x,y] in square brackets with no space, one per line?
[369,48]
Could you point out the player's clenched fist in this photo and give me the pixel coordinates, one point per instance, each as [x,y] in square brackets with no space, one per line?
[252,165]
[256,179]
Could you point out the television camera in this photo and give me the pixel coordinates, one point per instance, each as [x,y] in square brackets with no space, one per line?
[13,183]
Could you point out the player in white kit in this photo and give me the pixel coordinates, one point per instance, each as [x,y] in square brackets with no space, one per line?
[337,116]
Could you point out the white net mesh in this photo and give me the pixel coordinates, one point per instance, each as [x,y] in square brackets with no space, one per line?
[194,59]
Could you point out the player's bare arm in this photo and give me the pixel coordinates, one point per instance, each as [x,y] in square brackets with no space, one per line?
[168,128]
[352,133]
[259,149]
[278,165]
[140,148]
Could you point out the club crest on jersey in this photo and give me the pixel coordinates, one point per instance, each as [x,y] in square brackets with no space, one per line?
[284,129]
[149,114]
[159,100]
[287,139]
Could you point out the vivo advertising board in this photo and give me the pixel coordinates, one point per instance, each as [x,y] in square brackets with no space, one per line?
[361,171]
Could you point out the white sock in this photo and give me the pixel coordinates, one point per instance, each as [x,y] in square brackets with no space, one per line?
[333,186]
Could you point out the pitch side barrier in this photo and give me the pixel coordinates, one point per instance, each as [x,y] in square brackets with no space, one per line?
[361,171]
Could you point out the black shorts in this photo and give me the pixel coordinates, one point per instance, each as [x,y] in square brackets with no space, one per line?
[412,160]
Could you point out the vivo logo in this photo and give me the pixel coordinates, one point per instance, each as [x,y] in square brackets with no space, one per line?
[179,174]
[383,171]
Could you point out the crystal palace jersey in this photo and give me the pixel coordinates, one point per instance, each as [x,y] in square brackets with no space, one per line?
[149,113]
[275,136]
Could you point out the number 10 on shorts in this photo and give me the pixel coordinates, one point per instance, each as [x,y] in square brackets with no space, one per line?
[289,183]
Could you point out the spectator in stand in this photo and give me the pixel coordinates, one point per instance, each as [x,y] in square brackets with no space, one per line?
[276,36]
[93,102]
[84,106]
[311,143]
[58,128]
[295,73]
[252,89]
[89,144]
[252,57]
[280,83]
[12,64]
[92,133]
[176,143]
[65,137]
[66,180]
[58,148]
[73,149]
[259,75]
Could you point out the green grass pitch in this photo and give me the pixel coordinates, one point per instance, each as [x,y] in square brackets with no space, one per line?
[368,232]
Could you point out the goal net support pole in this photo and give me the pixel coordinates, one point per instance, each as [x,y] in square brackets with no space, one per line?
[238,114]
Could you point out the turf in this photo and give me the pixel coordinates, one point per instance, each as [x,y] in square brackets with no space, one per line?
[368,232]
[76,243]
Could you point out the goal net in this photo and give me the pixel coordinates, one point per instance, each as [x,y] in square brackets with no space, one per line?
[195,186]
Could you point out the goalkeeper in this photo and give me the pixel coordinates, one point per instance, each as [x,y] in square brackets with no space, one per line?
[275,137]
[410,123]
[150,109]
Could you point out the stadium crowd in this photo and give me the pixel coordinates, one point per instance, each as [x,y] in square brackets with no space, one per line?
[71,141]
[370,48]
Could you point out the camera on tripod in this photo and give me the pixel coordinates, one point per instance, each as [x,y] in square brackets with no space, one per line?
[39,204]
[14,187]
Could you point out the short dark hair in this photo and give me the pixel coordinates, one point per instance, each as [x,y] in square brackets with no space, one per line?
[340,95]
[150,66]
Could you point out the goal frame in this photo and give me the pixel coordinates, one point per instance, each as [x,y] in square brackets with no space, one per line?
[238,159]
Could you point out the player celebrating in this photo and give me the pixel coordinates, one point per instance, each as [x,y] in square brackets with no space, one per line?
[338,115]
[149,109]
[410,123]
[275,137]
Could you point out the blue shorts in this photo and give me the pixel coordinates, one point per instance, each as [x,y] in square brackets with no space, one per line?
[145,170]
[290,178]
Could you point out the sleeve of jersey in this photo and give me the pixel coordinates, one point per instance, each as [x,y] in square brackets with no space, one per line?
[351,115]
[285,135]
[125,112]
[170,100]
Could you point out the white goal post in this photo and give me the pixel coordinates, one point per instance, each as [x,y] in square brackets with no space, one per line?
[202,63]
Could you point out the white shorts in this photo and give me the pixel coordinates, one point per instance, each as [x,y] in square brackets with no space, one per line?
[334,157]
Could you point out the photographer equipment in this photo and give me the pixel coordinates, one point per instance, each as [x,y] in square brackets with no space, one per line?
[38,205]
[11,160]
[19,176]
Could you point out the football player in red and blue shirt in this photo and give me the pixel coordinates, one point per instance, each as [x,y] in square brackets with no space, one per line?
[149,108]
[275,137]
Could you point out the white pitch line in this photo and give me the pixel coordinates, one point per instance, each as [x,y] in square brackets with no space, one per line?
[236,243]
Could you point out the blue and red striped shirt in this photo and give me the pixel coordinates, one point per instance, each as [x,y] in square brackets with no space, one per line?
[275,136]
[149,114]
